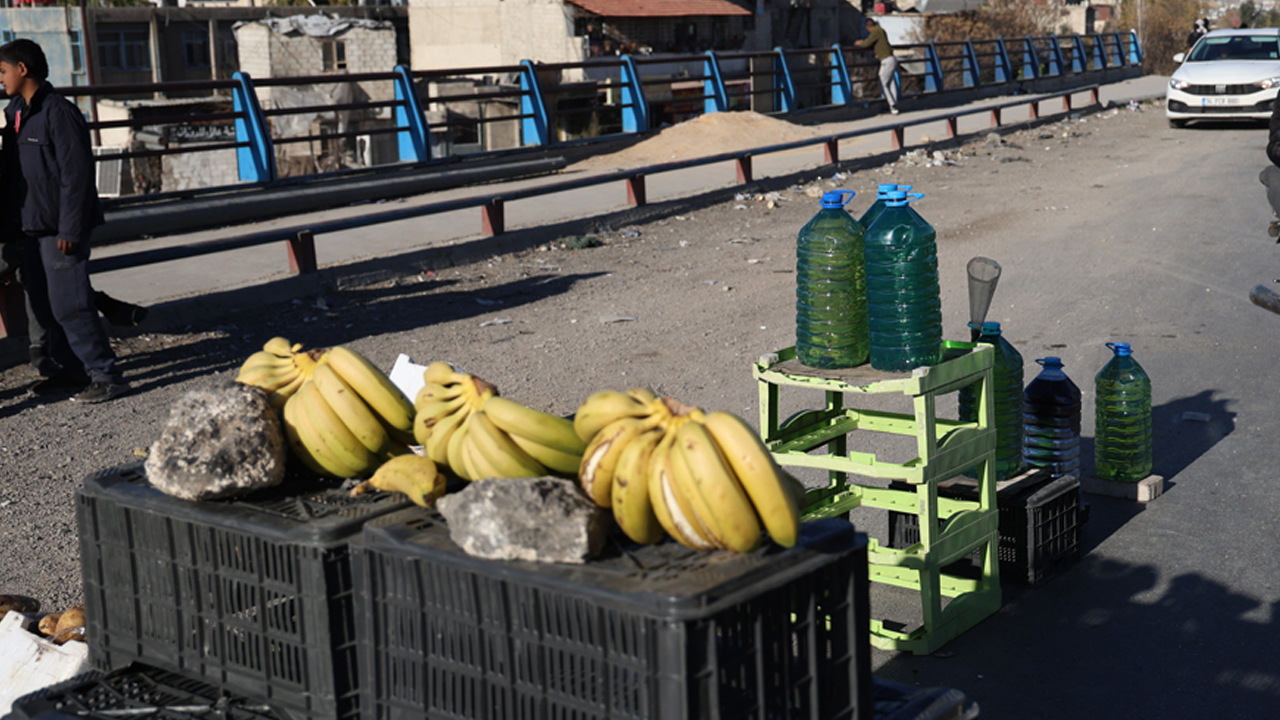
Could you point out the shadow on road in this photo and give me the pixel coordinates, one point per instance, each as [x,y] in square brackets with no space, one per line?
[1114,640]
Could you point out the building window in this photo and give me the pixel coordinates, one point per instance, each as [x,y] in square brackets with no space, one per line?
[77,53]
[6,36]
[123,50]
[195,49]
[333,54]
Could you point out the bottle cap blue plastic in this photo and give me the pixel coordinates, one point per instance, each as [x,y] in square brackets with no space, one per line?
[991,326]
[900,197]
[837,198]
[883,189]
[1120,349]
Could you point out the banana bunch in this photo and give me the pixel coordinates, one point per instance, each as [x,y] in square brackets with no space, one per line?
[349,418]
[704,478]
[464,424]
[412,475]
[280,368]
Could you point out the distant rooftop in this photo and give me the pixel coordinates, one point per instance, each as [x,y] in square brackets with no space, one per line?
[660,8]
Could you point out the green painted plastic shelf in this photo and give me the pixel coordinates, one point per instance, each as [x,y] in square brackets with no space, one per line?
[949,529]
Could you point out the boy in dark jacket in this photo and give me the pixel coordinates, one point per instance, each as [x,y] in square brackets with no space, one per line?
[1271,174]
[50,184]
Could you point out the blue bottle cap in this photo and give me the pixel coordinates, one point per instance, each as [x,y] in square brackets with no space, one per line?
[837,198]
[991,326]
[900,197]
[883,189]
[1120,349]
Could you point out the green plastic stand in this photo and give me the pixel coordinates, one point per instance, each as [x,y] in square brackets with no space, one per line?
[949,529]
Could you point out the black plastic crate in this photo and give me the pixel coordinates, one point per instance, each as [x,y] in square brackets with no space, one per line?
[645,632]
[895,701]
[1040,519]
[138,691]
[253,595]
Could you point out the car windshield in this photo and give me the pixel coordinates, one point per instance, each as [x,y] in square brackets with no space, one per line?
[1236,47]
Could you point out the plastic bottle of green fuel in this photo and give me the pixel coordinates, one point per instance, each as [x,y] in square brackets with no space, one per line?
[877,207]
[831,291]
[1122,449]
[1007,398]
[903,301]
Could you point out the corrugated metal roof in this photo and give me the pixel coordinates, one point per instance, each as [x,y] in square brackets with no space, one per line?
[659,8]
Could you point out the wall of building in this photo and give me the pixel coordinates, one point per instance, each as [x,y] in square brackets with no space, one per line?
[191,171]
[475,33]
[54,28]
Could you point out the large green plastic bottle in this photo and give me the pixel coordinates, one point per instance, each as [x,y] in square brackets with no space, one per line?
[1051,421]
[831,305]
[877,207]
[1122,449]
[903,302]
[1007,398]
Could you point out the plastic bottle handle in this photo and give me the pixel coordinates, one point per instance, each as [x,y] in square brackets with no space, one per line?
[1112,346]
[848,193]
[912,196]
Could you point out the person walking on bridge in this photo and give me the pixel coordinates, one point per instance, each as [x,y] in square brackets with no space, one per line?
[1270,176]
[877,41]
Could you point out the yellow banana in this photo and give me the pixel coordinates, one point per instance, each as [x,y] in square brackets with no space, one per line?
[279,346]
[691,502]
[731,512]
[281,395]
[478,467]
[543,428]
[313,443]
[432,411]
[412,475]
[442,373]
[602,408]
[630,497]
[506,458]
[436,393]
[299,448]
[453,450]
[759,475]
[374,387]
[337,437]
[560,463]
[601,457]
[673,514]
[351,410]
[644,395]
[436,437]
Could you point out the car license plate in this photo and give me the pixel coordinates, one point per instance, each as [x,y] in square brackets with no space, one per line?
[1219,101]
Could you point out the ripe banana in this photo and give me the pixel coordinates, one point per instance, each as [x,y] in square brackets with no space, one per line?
[759,475]
[374,387]
[442,373]
[296,446]
[329,429]
[437,393]
[731,511]
[501,455]
[604,407]
[477,465]
[281,395]
[436,437]
[644,395]
[560,463]
[279,368]
[630,497]
[454,450]
[601,457]
[672,514]
[412,475]
[542,428]
[685,490]
[310,447]
[280,347]
[351,410]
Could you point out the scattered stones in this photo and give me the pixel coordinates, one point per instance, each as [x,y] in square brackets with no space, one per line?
[218,443]
[542,519]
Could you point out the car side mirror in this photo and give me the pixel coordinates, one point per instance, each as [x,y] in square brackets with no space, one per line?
[1179,58]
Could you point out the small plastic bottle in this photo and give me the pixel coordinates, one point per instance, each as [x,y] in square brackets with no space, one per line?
[877,207]
[903,301]
[1122,451]
[1051,421]
[1007,398]
[831,291]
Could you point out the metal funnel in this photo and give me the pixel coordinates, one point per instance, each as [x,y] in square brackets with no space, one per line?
[984,273]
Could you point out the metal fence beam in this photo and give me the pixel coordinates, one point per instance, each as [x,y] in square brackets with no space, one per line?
[414,138]
[257,159]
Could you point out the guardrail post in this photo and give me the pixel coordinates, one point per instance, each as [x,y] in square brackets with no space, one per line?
[971,74]
[535,129]
[995,117]
[1033,109]
[1066,102]
[635,106]
[831,151]
[256,161]
[743,166]
[1030,60]
[1135,48]
[1004,68]
[715,96]
[1098,52]
[1078,58]
[953,126]
[492,217]
[635,190]
[933,81]
[898,137]
[414,137]
[1057,64]
[841,85]
[786,93]
[13,310]
[1094,99]
[302,253]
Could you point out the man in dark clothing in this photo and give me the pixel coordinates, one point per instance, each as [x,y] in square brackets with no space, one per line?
[878,41]
[50,182]
[1271,174]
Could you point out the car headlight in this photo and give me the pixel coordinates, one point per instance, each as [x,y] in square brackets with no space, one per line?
[1268,83]
[1180,84]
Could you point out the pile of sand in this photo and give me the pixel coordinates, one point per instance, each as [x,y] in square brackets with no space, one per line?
[710,134]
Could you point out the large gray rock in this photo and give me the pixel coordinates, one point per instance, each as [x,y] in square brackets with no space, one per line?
[219,442]
[542,519]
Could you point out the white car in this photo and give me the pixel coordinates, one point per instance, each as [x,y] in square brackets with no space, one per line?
[1228,75]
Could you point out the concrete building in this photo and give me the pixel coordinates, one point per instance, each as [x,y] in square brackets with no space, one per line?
[60,31]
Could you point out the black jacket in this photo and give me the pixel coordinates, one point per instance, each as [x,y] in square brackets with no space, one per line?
[48,168]
[1273,141]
